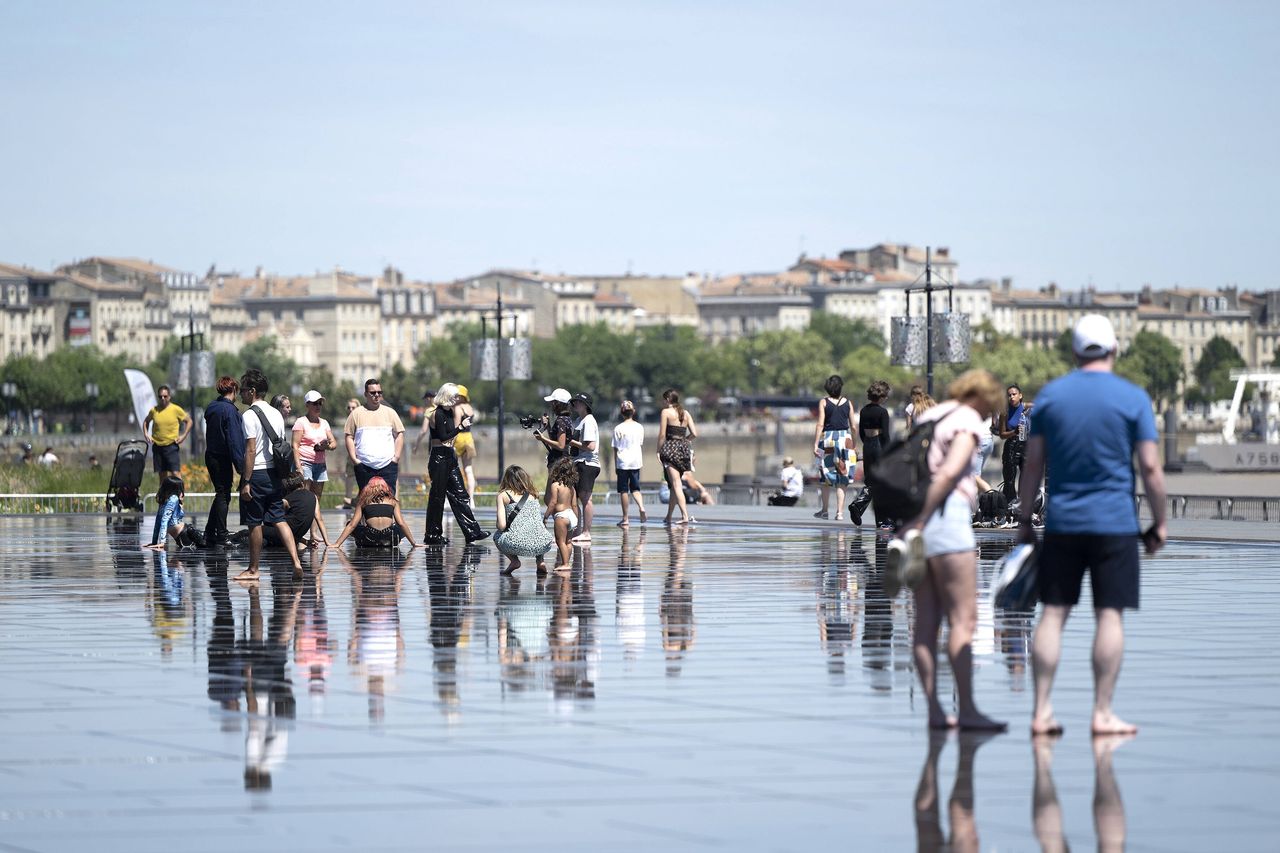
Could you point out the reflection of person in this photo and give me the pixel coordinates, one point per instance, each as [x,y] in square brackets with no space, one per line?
[833,445]
[792,485]
[377,521]
[223,454]
[947,585]
[446,477]
[629,596]
[1089,426]
[375,648]
[523,623]
[837,608]
[374,436]
[675,607]
[1108,807]
[628,456]
[450,591]
[166,426]
[964,829]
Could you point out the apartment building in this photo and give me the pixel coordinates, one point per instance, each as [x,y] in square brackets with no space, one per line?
[746,304]
[177,299]
[28,321]
[408,312]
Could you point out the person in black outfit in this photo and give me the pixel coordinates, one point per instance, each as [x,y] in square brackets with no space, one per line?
[301,511]
[554,432]
[873,432]
[446,476]
[223,454]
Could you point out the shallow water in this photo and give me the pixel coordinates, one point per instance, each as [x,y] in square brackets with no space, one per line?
[714,687]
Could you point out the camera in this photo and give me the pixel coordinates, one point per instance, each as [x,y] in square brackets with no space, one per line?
[530,421]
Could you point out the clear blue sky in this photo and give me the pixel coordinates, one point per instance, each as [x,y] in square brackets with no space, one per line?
[1119,142]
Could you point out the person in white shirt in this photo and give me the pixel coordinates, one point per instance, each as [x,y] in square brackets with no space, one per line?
[792,485]
[628,459]
[48,459]
[261,492]
[585,448]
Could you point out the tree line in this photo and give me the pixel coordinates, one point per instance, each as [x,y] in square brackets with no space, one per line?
[610,364]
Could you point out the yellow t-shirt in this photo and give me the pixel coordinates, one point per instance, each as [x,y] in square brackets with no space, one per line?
[165,423]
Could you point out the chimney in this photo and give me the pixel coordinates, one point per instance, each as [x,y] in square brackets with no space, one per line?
[943,252]
[1006,285]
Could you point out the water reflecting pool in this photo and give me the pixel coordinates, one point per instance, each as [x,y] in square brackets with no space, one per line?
[723,686]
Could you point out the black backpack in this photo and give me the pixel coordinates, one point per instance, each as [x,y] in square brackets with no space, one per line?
[900,480]
[281,451]
[992,506]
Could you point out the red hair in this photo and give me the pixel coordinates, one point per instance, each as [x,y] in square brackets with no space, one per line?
[375,490]
[227,385]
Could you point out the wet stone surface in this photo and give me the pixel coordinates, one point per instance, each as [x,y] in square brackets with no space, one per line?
[721,687]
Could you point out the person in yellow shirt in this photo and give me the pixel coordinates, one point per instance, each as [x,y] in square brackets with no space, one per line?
[166,426]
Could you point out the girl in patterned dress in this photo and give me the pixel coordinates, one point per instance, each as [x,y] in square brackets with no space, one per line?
[833,445]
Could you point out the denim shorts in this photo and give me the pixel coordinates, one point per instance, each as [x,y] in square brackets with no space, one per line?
[951,529]
[266,500]
[316,472]
[628,480]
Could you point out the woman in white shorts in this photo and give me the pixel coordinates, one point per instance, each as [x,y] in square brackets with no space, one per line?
[948,585]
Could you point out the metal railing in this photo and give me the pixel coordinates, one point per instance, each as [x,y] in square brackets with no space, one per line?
[51,503]
[1218,507]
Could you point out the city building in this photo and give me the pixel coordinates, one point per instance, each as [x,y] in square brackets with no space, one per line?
[737,306]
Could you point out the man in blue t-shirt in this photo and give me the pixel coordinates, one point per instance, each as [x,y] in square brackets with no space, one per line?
[1089,425]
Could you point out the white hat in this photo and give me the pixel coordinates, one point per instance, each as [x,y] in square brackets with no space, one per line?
[1093,336]
[313,396]
[560,395]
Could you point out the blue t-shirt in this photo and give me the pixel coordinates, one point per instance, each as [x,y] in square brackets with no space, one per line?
[1091,422]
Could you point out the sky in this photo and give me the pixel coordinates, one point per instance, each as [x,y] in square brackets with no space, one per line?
[1114,144]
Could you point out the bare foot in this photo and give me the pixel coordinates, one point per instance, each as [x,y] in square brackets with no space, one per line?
[247,576]
[644,517]
[981,723]
[511,567]
[542,567]
[942,723]
[1045,724]
[1110,724]
[563,567]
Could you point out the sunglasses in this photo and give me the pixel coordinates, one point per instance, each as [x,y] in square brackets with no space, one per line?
[373,393]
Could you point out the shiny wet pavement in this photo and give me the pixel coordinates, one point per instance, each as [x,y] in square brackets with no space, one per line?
[717,687]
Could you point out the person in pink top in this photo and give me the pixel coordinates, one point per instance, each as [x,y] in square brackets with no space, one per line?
[948,584]
[311,438]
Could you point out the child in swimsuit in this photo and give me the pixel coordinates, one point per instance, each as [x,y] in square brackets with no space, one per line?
[563,497]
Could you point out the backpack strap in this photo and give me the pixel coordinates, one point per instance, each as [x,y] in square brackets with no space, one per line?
[266,425]
[516,510]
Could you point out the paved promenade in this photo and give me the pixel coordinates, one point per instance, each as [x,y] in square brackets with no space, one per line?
[733,686]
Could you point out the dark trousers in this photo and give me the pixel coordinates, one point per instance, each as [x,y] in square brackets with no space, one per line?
[1011,460]
[221,470]
[446,482]
[782,500]
[389,472]
[870,457]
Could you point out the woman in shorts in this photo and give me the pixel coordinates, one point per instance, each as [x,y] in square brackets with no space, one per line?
[311,438]
[937,553]
[464,443]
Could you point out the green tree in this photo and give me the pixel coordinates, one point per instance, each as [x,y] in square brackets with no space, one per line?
[865,365]
[790,362]
[586,357]
[1154,362]
[671,357]
[844,335]
[1064,346]
[1213,370]
[1012,362]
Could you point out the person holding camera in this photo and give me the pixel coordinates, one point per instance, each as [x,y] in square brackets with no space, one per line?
[554,430]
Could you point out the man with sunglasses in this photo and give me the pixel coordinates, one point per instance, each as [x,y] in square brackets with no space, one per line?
[375,438]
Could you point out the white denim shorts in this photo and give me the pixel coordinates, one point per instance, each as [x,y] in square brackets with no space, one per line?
[950,530]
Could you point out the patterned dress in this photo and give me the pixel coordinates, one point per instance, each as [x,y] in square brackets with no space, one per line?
[676,452]
[838,458]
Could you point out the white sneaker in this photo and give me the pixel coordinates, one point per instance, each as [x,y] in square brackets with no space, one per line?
[913,567]
[895,556]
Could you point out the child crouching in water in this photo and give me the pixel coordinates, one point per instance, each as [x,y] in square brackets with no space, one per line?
[169,517]
[522,531]
[562,497]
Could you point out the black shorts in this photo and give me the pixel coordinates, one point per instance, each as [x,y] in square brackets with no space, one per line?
[628,480]
[586,480]
[165,457]
[1112,562]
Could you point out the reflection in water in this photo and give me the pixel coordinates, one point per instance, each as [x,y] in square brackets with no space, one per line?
[838,602]
[675,607]
[524,625]
[312,646]
[877,623]
[575,641]
[450,589]
[930,835]
[629,596]
[166,605]
[1108,808]
[375,650]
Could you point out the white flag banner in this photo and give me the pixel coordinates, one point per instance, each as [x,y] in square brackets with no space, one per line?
[144,396]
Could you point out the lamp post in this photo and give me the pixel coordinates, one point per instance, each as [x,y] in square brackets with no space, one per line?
[91,391]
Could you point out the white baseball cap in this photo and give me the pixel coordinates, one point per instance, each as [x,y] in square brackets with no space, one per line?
[1093,336]
[313,396]
[560,395]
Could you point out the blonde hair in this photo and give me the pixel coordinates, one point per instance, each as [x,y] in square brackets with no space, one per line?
[447,396]
[516,479]
[980,385]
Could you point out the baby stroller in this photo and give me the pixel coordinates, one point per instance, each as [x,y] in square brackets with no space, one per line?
[124,490]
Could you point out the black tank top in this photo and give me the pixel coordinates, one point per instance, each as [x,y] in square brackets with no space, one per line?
[837,415]
[379,511]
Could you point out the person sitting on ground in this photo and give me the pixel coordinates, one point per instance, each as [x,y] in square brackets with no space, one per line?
[521,533]
[48,458]
[694,492]
[377,521]
[94,464]
[170,519]
[561,506]
[792,485]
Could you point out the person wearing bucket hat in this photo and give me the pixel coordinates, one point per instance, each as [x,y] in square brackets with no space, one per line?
[464,444]
[585,447]
[555,431]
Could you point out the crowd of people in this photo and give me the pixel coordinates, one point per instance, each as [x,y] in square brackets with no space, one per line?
[1087,428]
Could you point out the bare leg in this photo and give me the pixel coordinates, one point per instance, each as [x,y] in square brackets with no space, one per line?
[564,549]
[513,563]
[677,494]
[625,499]
[286,537]
[644,516]
[956,578]
[469,477]
[1046,650]
[826,498]
[1046,811]
[839,503]
[1108,808]
[588,513]
[1108,654]
[255,551]
[925,647]
[317,489]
